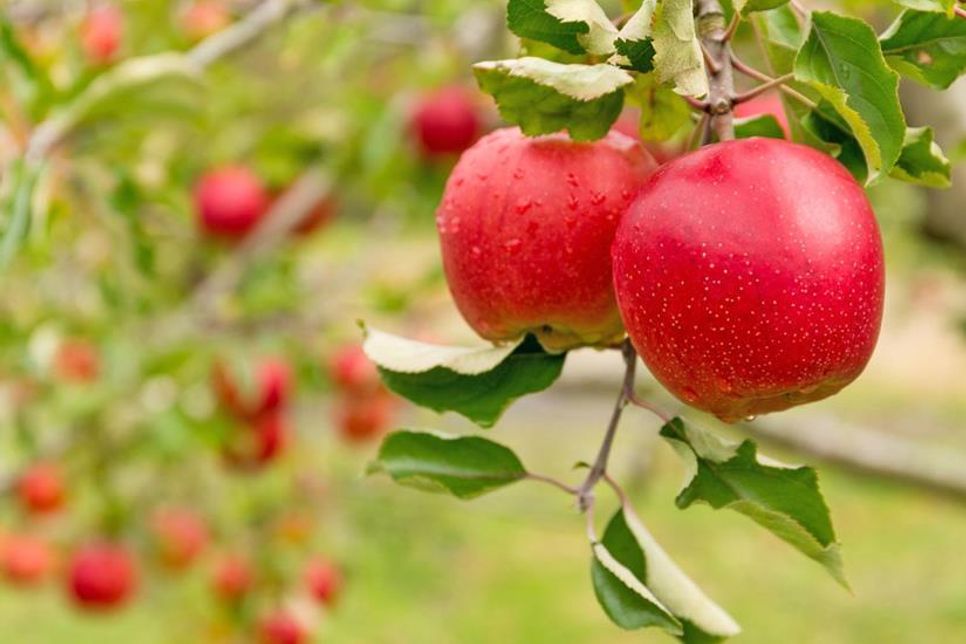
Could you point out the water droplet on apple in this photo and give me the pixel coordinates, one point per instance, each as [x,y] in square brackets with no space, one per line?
[512,245]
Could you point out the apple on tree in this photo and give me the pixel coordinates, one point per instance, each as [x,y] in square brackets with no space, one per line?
[230,201]
[257,442]
[101,576]
[41,488]
[77,361]
[101,33]
[202,18]
[526,226]
[281,627]
[323,580]
[233,578]
[269,392]
[180,536]
[446,122]
[25,560]
[761,290]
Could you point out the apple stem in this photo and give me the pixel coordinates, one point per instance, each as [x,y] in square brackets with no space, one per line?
[764,87]
[715,33]
[585,495]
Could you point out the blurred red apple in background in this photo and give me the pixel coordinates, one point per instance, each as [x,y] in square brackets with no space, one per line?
[360,420]
[101,576]
[446,122]
[233,578]
[41,488]
[270,391]
[101,33]
[77,361]
[202,18]
[353,372]
[230,201]
[24,559]
[180,535]
[324,580]
[280,627]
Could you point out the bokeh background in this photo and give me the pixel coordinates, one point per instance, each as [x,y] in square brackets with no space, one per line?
[321,104]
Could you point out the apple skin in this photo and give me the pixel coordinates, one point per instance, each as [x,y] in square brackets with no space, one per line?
[233,578]
[101,576]
[525,227]
[25,560]
[324,580]
[41,488]
[180,536]
[446,122]
[750,277]
[230,201]
[769,103]
[101,34]
[280,627]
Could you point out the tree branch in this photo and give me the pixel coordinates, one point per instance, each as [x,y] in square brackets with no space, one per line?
[891,458]
[713,31]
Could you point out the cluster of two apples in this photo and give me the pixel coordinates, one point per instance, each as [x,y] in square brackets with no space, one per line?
[748,274]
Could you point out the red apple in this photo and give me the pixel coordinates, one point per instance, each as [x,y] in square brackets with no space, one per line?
[257,443]
[101,34]
[750,277]
[271,389]
[203,18]
[446,122]
[25,560]
[41,488]
[77,361]
[526,226]
[353,372]
[280,627]
[230,201]
[233,578]
[359,420]
[769,103]
[101,576]
[324,580]
[180,536]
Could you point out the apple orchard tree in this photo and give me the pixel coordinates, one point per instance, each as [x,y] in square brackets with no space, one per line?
[746,272]
[656,195]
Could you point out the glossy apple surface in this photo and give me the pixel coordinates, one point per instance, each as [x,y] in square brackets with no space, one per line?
[750,277]
[525,227]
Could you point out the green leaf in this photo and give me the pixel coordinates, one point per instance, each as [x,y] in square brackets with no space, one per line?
[745,7]
[668,27]
[831,133]
[783,499]
[842,61]
[638,54]
[927,47]
[543,97]
[464,466]
[922,160]
[940,6]
[632,546]
[18,210]
[576,26]
[479,383]
[663,112]
[762,125]
[782,37]
[627,602]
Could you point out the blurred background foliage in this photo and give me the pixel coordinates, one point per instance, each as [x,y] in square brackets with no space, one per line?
[113,259]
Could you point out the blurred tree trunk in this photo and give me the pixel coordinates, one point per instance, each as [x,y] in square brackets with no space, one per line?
[946,213]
